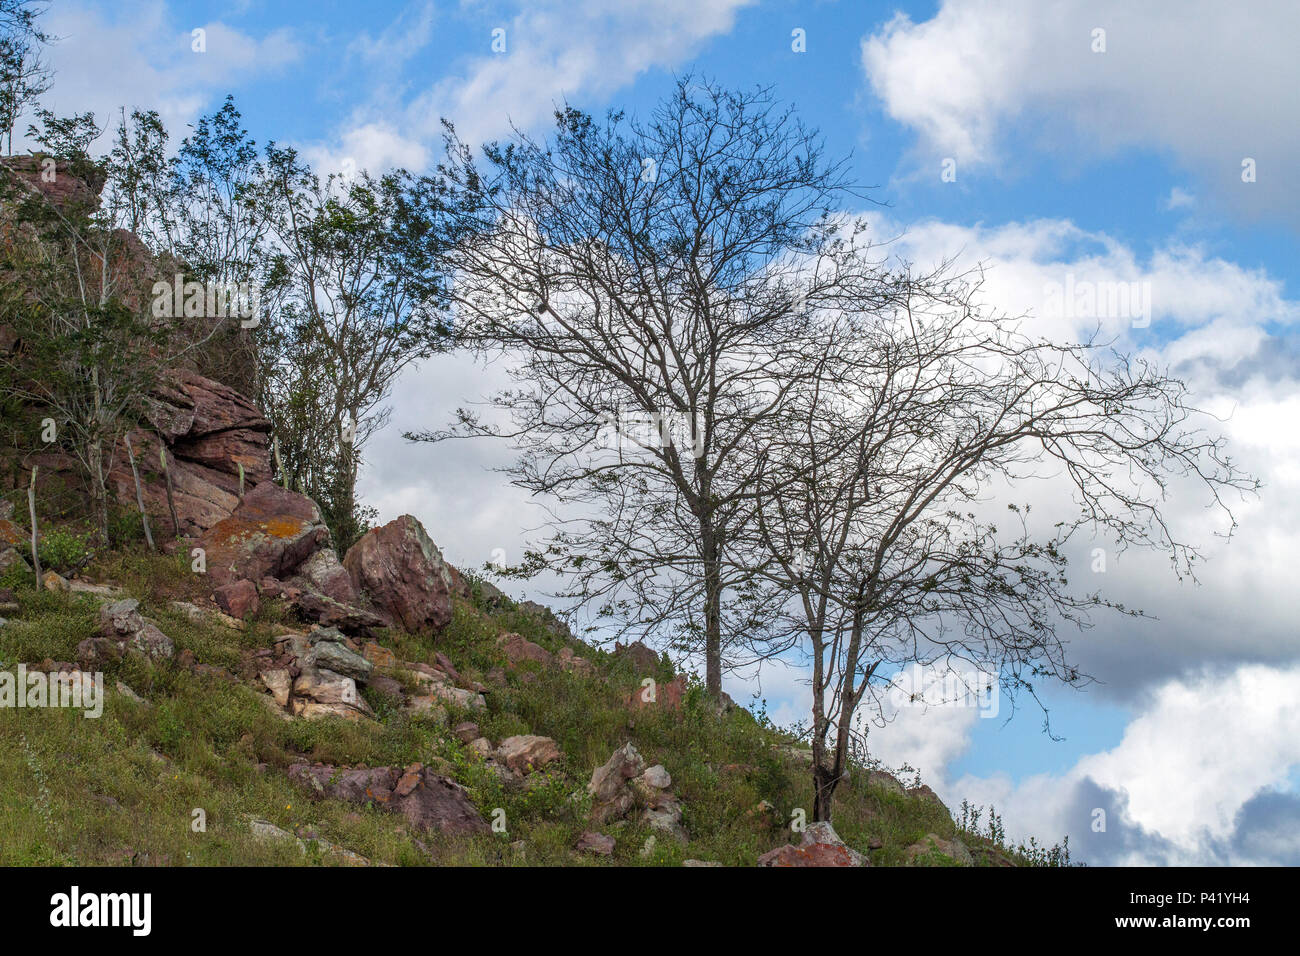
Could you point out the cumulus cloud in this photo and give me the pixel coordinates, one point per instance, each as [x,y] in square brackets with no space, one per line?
[149,55]
[1199,778]
[1204,82]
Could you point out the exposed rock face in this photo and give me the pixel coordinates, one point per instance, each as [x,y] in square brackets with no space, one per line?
[271,533]
[668,695]
[820,846]
[428,801]
[209,431]
[317,675]
[642,658]
[404,574]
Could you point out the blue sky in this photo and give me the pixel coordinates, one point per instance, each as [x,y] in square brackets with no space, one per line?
[1122,164]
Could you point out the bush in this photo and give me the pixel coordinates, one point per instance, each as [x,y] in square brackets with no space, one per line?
[61,549]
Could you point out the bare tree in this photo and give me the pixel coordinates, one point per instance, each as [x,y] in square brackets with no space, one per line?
[640,279]
[883,476]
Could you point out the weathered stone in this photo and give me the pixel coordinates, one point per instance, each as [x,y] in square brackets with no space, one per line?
[597,844]
[325,574]
[820,846]
[643,659]
[525,753]
[657,777]
[466,731]
[52,581]
[669,695]
[379,655]
[121,623]
[518,649]
[238,599]
[271,533]
[403,573]
[10,558]
[279,682]
[330,651]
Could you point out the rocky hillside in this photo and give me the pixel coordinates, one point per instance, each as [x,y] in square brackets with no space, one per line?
[267,700]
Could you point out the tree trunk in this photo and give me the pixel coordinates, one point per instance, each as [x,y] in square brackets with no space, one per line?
[712,620]
[139,493]
[99,490]
[171,501]
[825,780]
[31,509]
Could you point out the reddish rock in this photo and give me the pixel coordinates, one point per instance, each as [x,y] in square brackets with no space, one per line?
[820,846]
[519,649]
[669,695]
[361,785]
[644,661]
[272,533]
[378,655]
[238,599]
[325,574]
[209,432]
[403,573]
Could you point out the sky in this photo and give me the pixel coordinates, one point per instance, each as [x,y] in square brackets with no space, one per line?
[1063,144]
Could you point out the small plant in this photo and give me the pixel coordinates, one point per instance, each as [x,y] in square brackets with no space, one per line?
[63,550]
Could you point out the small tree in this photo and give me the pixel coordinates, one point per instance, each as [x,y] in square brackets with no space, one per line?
[880,481]
[355,297]
[649,284]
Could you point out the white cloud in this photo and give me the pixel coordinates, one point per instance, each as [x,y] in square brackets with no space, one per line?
[139,55]
[1201,749]
[553,50]
[1204,81]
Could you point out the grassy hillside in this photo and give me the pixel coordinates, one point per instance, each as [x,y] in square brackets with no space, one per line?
[123,789]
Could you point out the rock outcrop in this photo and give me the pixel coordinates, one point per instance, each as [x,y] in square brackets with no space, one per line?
[271,533]
[123,630]
[623,783]
[820,846]
[429,801]
[404,575]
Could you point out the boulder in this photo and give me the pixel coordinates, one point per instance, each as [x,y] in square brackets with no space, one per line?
[238,599]
[644,661]
[53,581]
[324,610]
[10,558]
[527,752]
[325,574]
[465,731]
[518,650]
[121,624]
[612,797]
[404,575]
[597,844]
[428,801]
[271,533]
[820,846]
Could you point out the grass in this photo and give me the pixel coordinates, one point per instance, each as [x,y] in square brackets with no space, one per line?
[134,785]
